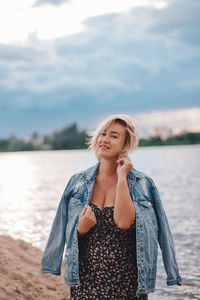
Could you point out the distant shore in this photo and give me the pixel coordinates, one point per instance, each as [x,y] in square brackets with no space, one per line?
[70,138]
[20,276]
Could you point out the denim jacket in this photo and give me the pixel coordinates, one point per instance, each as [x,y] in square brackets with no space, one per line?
[151,228]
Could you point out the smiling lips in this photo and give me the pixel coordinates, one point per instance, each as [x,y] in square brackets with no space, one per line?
[104,147]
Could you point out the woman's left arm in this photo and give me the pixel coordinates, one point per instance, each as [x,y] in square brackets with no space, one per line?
[124,211]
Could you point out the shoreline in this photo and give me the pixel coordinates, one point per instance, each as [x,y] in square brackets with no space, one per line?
[20,276]
[84,149]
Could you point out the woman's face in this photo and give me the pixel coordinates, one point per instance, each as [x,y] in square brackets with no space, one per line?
[111,141]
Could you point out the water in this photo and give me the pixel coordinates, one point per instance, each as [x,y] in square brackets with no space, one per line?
[32,183]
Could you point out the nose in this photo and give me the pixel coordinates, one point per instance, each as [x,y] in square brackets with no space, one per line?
[105,138]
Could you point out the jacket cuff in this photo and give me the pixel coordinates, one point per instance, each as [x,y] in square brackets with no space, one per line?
[177,281]
[45,271]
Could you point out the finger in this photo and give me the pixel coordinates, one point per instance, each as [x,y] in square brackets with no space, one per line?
[89,211]
[123,159]
[94,220]
[84,210]
[120,161]
[89,208]
[93,217]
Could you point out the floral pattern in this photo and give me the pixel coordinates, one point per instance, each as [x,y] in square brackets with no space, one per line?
[107,260]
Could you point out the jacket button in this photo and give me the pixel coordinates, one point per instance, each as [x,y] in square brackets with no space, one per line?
[142,247]
[141,225]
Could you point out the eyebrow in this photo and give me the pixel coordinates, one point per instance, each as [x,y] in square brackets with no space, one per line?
[116,132]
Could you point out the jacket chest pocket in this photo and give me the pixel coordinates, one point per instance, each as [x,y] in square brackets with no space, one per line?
[147,210]
[75,206]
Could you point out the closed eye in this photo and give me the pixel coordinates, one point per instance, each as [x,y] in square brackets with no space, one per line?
[113,136]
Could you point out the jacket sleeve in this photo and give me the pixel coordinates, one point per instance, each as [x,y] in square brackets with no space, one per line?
[165,240]
[53,252]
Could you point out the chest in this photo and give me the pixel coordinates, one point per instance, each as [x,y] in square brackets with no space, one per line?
[104,193]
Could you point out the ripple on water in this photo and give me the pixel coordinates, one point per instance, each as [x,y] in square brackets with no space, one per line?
[38,180]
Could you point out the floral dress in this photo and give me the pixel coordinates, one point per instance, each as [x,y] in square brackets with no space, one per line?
[107,260]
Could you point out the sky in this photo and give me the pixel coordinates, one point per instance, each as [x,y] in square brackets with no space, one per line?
[65,61]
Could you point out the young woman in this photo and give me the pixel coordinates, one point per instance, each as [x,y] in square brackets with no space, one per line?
[111,219]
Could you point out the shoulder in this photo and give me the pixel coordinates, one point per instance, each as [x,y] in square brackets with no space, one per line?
[145,185]
[84,175]
[142,177]
[77,182]
[140,174]
[87,173]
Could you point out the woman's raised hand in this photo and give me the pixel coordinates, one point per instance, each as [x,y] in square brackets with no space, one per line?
[87,220]
[124,166]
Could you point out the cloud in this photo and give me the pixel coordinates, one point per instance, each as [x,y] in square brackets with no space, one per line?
[177,120]
[51,2]
[131,60]
[179,21]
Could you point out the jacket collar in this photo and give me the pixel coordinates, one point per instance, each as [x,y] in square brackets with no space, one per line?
[90,173]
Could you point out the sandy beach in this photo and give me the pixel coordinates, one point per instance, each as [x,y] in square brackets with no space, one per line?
[20,277]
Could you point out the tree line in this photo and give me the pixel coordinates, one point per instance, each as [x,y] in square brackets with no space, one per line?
[70,137]
[186,138]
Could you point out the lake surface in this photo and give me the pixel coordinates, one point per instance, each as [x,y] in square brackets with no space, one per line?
[32,183]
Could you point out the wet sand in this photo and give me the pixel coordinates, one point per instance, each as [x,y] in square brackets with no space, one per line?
[20,276]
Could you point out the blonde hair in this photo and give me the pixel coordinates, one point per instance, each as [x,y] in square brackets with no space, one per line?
[131,139]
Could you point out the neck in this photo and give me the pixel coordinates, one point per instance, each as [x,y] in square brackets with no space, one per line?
[107,168]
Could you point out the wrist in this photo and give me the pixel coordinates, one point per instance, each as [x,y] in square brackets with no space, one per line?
[122,178]
[80,233]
